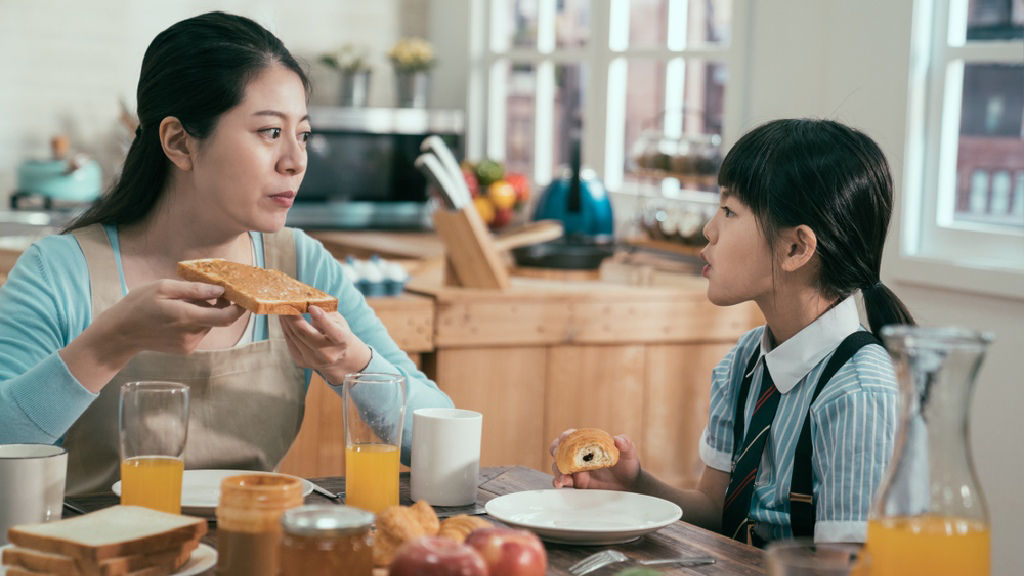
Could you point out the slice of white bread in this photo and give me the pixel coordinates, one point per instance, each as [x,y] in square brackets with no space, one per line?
[109,533]
[61,565]
[258,290]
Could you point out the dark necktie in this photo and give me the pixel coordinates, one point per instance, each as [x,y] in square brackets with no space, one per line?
[744,471]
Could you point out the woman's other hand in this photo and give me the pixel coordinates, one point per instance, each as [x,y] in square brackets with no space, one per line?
[622,476]
[325,344]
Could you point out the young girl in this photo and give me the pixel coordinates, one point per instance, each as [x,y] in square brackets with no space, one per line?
[803,409]
[215,165]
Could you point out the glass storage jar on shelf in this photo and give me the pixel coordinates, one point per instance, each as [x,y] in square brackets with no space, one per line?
[692,159]
[929,516]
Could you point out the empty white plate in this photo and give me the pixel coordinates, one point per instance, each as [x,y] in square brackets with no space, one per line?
[200,489]
[595,517]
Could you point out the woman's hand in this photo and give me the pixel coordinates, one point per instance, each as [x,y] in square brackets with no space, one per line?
[326,345]
[622,476]
[171,316]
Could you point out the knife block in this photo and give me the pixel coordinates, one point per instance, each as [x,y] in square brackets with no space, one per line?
[471,258]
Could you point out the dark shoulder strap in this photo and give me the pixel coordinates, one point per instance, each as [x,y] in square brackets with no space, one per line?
[741,399]
[801,491]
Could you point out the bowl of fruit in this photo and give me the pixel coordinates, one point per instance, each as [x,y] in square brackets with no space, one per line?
[498,195]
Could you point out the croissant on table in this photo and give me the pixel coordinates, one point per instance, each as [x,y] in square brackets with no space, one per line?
[397,525]
[458,527]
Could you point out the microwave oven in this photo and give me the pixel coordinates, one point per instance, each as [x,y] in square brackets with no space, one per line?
[359,167]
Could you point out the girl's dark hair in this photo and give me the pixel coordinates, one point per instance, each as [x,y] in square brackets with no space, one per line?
[833,179]
[196,70]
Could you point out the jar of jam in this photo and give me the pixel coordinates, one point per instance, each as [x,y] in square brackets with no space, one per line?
[249,522]
[326,540]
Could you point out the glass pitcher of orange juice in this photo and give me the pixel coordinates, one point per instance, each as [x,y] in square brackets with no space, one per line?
[930,516]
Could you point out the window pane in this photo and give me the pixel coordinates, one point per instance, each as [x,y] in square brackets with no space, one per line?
[995,19]
[523,16]
[519,125]
[991,145]
[572,23]
[651,22]
[681,141]
[648,23]
[569,83]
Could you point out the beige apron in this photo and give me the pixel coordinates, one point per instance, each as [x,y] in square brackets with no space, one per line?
[246,403]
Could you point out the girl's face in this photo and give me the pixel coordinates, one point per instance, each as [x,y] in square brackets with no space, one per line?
[738,260]
[248,171]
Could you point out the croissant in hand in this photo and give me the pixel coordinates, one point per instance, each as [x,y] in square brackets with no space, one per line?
[586,449]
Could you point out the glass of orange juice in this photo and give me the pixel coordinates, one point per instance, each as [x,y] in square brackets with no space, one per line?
[374,412]
[152,423]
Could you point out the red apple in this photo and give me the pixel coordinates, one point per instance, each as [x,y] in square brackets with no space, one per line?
[436,556]
[509,552]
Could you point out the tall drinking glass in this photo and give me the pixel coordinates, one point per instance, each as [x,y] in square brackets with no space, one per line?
[374,411]
[802,557]
[152,423]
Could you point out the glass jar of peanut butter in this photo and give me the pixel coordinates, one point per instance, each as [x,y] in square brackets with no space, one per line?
[249,522]
[326,540]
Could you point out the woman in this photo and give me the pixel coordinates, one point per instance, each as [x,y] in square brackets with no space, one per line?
[803,409]
[218,157]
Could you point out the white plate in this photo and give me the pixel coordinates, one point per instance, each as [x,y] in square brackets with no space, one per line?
[200,489]
[203,558]
[595,517]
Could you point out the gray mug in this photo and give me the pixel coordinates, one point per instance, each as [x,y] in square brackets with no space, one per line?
[31,484]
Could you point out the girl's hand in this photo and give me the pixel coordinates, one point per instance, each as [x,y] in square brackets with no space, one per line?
[327,345]
[622,476]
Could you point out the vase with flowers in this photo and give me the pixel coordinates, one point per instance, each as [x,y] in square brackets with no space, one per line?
[353,62]
[412,59]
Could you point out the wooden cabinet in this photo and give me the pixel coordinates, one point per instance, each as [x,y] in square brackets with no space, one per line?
[544,356]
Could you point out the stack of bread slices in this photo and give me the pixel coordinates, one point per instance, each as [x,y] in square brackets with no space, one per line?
[116,541]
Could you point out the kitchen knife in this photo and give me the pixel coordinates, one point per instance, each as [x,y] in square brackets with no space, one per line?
[431,167]
[435,144]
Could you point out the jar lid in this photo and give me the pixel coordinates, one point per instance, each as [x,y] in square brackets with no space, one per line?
[322,519]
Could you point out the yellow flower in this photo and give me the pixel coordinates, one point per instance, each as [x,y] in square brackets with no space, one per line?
[412,55]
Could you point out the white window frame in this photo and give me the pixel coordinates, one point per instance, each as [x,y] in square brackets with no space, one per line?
[934,250]
[602,146]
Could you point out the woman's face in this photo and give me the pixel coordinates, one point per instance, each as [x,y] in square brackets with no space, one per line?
[249,169]
[738,260]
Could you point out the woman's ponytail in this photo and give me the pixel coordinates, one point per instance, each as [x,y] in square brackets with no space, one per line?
[135,193]
[883,308]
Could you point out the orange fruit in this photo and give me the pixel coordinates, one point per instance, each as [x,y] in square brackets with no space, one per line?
[502,194]
[485,209]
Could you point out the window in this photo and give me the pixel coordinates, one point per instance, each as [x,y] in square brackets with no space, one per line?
[965,153]
[612,68]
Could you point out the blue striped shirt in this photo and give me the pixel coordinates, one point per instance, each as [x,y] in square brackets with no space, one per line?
[853,424]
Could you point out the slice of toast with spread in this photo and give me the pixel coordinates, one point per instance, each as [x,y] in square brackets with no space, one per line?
[258,290]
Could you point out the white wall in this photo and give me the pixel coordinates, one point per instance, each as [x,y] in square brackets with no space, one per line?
[66,64]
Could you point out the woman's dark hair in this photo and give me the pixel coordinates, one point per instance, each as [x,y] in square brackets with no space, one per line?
[833,179]
[196,70]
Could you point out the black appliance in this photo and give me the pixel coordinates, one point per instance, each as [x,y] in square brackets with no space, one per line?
[360,172]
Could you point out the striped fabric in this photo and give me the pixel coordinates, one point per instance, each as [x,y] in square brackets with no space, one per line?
[852,425]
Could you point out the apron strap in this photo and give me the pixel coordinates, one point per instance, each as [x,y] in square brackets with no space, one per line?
[279,254]
[102,264]
[801,494]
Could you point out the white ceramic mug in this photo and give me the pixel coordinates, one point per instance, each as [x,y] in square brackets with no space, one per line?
[445,456]
[31,484]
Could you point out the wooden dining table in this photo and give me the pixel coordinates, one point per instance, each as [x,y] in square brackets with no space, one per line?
[675,540]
